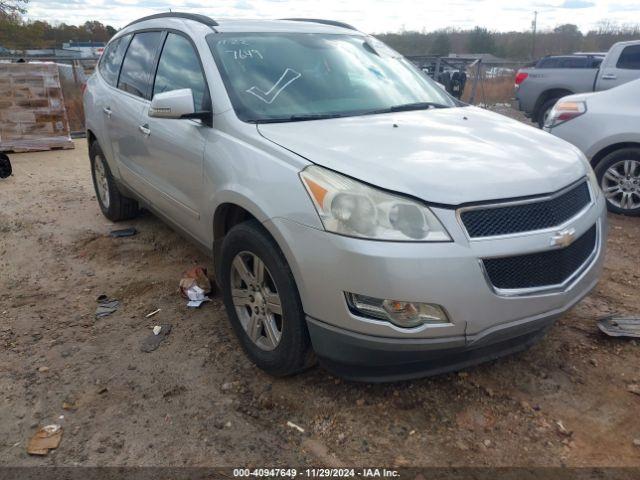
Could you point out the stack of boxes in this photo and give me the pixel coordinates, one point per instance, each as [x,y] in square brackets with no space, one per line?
[32,110]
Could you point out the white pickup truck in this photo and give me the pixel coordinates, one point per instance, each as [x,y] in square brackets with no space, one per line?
[538,89]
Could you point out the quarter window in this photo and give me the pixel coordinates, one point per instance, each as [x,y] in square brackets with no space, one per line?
[630,58]
[179,67]
[137,68]
[112,58]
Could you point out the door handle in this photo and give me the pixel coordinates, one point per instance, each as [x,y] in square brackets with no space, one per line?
[107,111]
[144,129]
[609,76]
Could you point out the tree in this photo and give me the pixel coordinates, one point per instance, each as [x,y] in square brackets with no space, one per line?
[568,29]
[481,41]
[441,44]
[566,38]
[9,8]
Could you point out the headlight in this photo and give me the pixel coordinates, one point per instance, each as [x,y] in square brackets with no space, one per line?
[564,111]
[352,208]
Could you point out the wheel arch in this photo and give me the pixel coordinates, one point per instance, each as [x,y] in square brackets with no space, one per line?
[228,214]
[548,95]
[91,137]
[603,152]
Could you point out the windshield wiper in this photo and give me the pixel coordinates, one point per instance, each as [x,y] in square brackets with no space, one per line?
[416,106]
[320,116]
[406,107]
[300,118]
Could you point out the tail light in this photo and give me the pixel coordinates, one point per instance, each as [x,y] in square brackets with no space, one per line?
[521,77]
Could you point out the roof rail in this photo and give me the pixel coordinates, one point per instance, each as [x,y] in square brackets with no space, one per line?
[333,23]
[187,16]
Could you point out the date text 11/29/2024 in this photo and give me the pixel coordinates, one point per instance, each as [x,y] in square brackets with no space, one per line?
[315,473]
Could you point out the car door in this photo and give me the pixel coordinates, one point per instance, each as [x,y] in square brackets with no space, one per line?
[108,71]
[625,69]
[128,104]
[174,148]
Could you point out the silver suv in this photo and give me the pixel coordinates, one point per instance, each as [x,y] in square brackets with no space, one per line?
[354,210]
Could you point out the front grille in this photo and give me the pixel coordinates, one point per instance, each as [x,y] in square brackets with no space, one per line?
[541,269]
[551,212]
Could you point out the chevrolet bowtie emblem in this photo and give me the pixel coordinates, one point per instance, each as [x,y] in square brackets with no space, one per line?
[563,238]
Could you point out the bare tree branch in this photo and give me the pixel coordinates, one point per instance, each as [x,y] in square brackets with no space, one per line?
[11,7]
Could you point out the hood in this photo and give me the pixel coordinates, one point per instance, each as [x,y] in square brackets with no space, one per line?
[447,156]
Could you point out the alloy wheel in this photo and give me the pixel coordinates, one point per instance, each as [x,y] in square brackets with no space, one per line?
[102,182]
[256,300]
[621,184]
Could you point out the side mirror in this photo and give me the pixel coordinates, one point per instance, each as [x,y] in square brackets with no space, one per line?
[176,104]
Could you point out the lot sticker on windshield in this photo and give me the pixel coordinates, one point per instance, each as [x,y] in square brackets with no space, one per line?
[241,54]
[283,82]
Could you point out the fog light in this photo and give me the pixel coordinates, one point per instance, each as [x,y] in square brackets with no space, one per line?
[403,314]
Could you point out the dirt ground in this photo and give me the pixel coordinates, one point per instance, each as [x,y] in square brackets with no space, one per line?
[198,401]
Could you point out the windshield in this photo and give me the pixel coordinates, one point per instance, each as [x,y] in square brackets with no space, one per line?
[298,76]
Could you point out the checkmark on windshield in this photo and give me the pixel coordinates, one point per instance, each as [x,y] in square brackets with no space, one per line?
[283,82]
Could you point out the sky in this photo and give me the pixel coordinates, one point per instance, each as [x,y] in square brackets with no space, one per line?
[373,16]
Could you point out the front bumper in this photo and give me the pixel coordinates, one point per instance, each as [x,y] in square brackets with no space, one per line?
[366,358]
[484,324]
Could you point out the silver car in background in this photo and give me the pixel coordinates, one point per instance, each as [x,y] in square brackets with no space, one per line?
[606,127]
[355,212]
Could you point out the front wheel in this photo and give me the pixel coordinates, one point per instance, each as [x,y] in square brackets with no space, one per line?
[262,301]
[619,177]
[114,205]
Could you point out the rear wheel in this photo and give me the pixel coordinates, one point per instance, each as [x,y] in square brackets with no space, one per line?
[262,301]
[114,205]
[619,177]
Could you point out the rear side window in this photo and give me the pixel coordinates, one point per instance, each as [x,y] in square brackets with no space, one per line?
[112,58]
[179,67]
[566,62]
[576,63]
[137,68]
[630,58]
[548,63]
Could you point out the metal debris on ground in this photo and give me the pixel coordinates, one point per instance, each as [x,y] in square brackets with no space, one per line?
[152,313]
[620,326]
[153,341]
[125,232]
[5,166]
[45,439]
[106,306]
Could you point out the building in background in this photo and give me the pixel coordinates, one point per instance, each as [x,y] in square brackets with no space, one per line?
[85,49]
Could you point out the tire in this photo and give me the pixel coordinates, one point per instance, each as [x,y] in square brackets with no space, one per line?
[5,166]
[255,309]
[545,109]
[622,191]
[114,205]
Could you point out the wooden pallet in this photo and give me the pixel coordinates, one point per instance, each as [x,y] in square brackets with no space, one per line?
[32,112]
